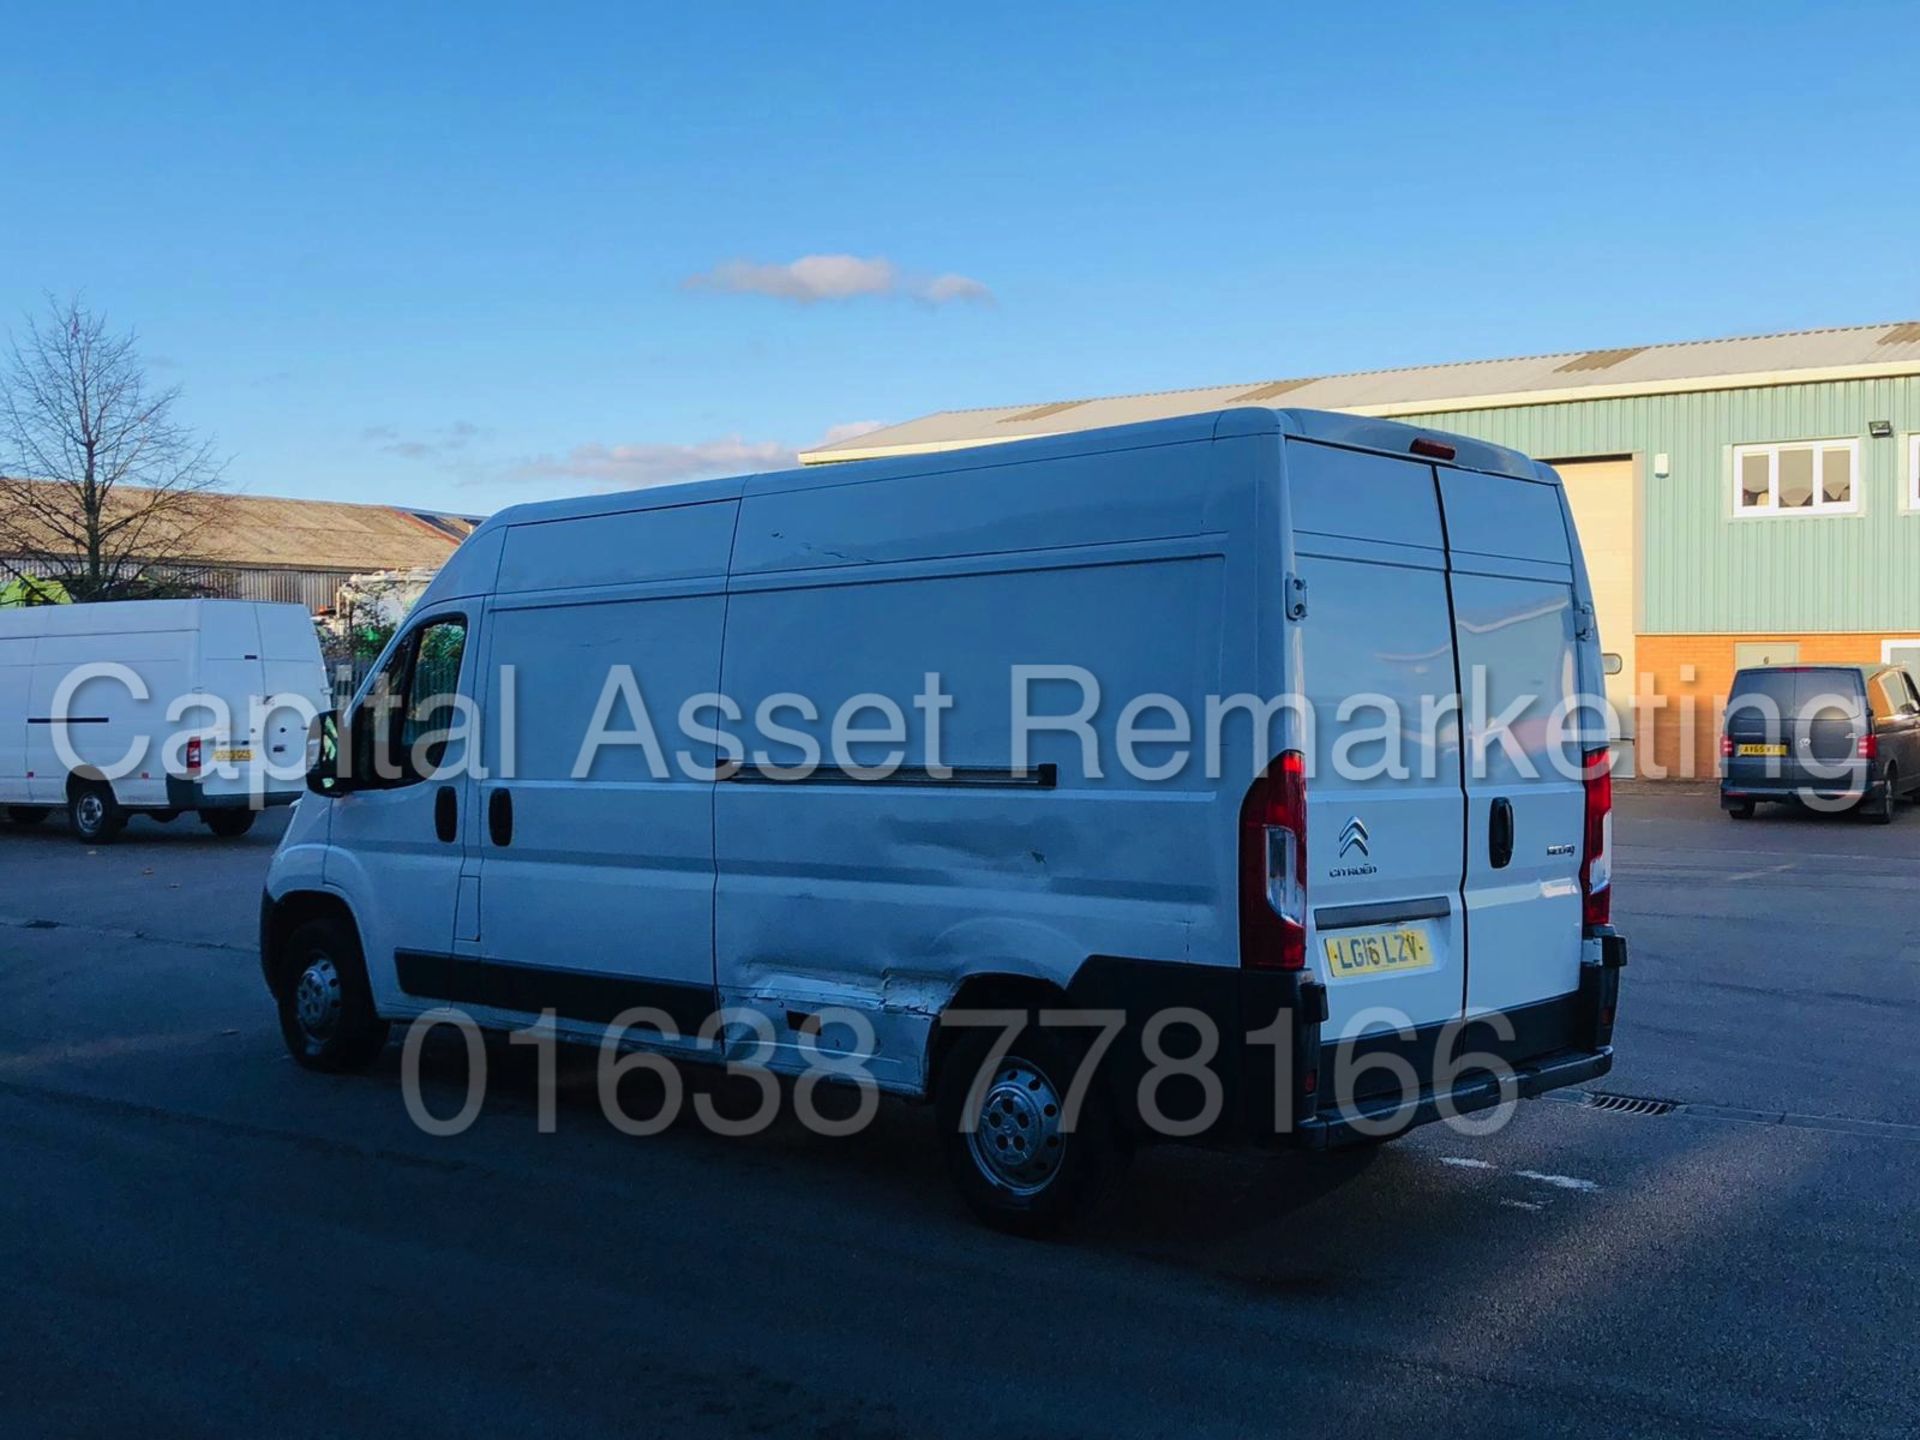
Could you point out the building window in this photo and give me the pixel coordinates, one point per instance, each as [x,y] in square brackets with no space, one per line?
[1813,477]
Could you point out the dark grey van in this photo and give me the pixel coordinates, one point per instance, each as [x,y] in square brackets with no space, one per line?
[1836,734]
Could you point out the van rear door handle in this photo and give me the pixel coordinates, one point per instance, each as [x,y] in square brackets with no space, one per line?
[500,817]
[1500,833]
[446,814]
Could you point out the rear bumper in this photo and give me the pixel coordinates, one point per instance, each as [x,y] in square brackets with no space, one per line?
[1280,1085]
[1860,780]
[1365,1119]
[192,795]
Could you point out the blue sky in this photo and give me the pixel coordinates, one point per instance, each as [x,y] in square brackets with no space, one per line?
[461,256]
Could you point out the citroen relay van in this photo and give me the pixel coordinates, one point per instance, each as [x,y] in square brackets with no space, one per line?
[155,707]
[1221,779]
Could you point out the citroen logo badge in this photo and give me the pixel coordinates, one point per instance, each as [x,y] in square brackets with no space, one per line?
[1354,837]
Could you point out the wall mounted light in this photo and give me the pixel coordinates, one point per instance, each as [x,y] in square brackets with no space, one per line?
[1880,429]
[1662,466]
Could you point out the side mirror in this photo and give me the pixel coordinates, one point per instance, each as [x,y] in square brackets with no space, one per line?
[325,774]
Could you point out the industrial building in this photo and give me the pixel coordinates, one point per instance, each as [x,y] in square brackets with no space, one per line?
[1739,501]
[259,547]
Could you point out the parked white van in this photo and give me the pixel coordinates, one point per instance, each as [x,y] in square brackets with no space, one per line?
[161,707]
[949,775]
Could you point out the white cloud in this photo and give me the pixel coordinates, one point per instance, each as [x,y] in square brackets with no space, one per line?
[634,467]
[435,445]
[638,466]
[851,430]
[943,288]
[814,278]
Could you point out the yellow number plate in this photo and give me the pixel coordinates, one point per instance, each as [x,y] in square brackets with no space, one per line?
[1759,749]
[1377,952]
[232,757]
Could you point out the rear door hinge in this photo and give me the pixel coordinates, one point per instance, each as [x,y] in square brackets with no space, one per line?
[1296,597]
[1583,622]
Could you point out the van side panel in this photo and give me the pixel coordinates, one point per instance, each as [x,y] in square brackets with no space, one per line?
[109,719]
[883,896]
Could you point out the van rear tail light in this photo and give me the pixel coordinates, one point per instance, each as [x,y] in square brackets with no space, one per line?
[1726,747]
[1869,746]
[1596,859]
[1432,449]
[1273,867]
[193,755]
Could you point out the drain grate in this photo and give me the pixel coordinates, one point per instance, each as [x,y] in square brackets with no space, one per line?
[1627,1104]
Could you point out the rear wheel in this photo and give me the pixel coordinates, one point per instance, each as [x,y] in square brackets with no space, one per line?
[26,815]
[1742,811]
[326,1007]
[1880,812]
[96,817]
[1008,1147]
[227,824]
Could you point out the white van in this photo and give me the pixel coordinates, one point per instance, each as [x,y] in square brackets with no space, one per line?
[935,821]
[157,707]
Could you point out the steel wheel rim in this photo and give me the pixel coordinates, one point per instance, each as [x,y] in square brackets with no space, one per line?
[1017,1140]
[92,811]
[316,998]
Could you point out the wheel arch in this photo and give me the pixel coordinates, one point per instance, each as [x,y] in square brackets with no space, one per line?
[281,915]
[986,990]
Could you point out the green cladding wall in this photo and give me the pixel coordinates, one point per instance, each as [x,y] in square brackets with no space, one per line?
[1702,569]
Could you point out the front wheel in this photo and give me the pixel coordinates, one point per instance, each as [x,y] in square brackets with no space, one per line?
[326,1007]
[227,824]
[96,817]
[1017,1162]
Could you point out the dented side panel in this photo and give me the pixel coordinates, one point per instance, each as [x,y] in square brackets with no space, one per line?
[884,898]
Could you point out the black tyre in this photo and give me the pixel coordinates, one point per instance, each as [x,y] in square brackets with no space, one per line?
[96,817]
[227,824]
[1880,812]
[27,815]
[1742,811]
[1017,1165]
[326,1008]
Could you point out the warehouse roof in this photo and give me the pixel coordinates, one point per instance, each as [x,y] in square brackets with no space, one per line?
[1797,357]
[267,531]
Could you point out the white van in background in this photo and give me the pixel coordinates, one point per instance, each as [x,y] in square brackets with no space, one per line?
[1301,947]
[186,707]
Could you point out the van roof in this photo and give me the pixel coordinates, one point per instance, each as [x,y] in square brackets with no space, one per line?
[1351,431]
[118,616]
[1865,670]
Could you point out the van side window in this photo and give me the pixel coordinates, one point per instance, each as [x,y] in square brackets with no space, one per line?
[434,682]
[413,696]
[1880,697]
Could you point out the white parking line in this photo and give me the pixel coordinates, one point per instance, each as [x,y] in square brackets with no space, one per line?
[1560,1182]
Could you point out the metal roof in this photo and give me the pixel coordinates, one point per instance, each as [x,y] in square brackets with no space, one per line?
[221,528]
[1796,357]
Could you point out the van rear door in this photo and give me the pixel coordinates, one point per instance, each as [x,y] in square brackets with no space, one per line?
[1384,798]
[1518,625]
[1829,722]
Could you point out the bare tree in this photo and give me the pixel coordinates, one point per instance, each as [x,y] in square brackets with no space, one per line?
[100,487]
